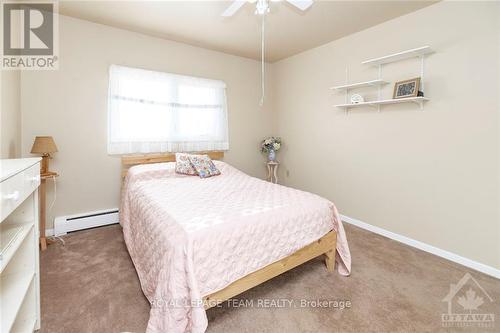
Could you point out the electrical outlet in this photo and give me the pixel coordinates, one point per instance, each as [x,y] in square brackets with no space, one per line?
[287,173]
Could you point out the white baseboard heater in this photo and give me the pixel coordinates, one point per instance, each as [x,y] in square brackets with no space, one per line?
[70,223]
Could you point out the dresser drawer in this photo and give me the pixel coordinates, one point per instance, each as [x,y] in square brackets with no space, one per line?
[14,190]
[32,178]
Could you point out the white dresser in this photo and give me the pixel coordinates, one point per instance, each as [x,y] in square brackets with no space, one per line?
[19,270]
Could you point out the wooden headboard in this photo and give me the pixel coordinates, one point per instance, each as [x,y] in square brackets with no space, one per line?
[131,160]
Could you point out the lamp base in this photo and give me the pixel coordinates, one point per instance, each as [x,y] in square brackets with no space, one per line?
[44,166]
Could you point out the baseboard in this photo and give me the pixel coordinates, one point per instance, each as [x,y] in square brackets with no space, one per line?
[425,247]
[70,223]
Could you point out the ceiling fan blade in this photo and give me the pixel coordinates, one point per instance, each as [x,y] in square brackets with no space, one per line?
[301,4]
[233,7]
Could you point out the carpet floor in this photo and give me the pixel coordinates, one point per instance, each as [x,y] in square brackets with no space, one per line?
[90,285]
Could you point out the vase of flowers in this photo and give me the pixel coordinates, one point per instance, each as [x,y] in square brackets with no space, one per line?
[270,146]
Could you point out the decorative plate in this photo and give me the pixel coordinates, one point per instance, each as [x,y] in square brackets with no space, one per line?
[357,98]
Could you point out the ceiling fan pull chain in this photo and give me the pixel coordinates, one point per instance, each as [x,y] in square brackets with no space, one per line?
[263,64]
[262,9]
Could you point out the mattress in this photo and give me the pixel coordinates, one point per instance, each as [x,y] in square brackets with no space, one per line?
[189,237]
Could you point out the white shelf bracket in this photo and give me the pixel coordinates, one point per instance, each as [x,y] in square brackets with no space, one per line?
[347,90]
[379,90]
[420,104]
[422,72]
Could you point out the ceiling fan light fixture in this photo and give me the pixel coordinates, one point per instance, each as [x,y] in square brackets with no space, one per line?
[262,7]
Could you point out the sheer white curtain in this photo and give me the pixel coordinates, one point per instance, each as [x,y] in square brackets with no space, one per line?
[159,112]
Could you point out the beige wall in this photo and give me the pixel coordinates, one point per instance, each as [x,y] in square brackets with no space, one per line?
[10,114]
[430,175]
[71,105]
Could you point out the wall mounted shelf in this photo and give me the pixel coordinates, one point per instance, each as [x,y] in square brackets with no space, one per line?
[418,52]
[417,100]
[372,83]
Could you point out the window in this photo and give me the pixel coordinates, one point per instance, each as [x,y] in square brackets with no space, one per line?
[159,112]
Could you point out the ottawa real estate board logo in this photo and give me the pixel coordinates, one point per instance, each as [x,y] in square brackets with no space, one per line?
[469,305]
[30,34]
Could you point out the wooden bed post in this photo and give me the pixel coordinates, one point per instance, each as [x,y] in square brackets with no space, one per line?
[330,260]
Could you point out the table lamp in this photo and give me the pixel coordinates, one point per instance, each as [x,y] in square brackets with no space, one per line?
[44,145]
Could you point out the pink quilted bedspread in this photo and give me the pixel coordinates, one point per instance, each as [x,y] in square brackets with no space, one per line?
[189,237]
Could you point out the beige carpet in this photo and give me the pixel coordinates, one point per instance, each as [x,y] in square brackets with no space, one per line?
[90,285]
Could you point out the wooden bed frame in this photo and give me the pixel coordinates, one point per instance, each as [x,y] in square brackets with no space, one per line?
[324,246]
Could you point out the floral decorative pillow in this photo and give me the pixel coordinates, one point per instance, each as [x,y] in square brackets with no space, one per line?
[183,165]
[204,166]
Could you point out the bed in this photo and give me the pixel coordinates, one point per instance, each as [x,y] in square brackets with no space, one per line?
[197,242]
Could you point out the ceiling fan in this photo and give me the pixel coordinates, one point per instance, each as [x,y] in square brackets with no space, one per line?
[262,8]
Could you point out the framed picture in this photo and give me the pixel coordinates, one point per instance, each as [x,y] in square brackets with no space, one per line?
[408,88]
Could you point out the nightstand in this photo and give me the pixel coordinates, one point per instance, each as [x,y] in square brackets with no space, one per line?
[272,171]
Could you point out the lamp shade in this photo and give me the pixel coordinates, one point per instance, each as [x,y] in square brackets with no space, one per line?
[44,145]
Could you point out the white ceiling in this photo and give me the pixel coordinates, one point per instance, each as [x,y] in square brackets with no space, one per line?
[288,30]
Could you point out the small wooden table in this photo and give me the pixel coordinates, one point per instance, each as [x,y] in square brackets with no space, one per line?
[43,199]
[272,171]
